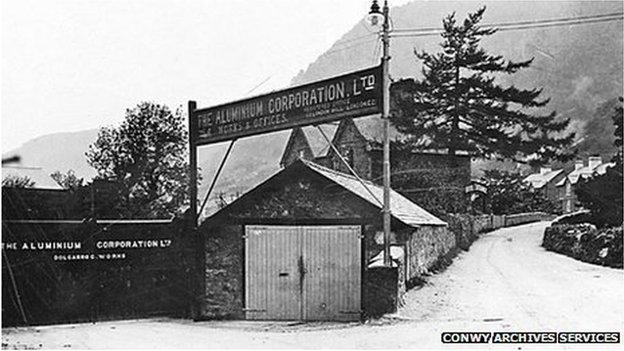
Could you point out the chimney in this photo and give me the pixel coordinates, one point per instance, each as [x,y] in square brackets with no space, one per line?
[544,170]
[594,161]
[578,164]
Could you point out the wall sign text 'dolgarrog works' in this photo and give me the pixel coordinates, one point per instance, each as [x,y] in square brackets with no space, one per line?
[351,95]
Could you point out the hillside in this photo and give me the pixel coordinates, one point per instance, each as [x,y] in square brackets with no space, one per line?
[579,67]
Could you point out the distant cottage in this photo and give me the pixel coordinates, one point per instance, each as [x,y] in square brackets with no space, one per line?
[545,182]
[567,196]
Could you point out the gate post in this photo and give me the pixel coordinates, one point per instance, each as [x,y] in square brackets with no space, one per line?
[197,270]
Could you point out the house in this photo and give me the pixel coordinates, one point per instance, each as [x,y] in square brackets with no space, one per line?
[545,182]
[565,186]
[360,143]
[308,143]
[304,245]
[41,179]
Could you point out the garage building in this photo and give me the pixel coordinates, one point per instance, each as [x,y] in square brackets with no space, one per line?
[306,245]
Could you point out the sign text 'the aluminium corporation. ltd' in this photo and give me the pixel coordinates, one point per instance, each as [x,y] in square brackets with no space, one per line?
[351,95]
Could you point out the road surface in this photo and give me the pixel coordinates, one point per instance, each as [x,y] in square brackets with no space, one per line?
[506,282]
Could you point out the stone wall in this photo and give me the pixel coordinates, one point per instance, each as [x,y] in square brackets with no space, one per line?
[381,291]
[586,243]
[425,247]
[351,144]
[297,148]
[224,274]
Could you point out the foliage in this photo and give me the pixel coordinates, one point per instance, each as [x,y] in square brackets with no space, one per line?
[459,105]
[146,157]
[509,194]
[16,181]
[586,243]
[602,194]
[617,121]
[68,180]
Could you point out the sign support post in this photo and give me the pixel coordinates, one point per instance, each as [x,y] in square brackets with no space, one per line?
[350,95]
[196,271]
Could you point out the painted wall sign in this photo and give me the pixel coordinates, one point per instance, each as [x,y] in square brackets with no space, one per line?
[351,95]
[76,250]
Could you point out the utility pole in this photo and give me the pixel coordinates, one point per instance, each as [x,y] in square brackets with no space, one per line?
[375,16]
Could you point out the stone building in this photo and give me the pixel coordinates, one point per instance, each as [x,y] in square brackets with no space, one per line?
[545,182]
[305,245]
[566,186]
[360,142]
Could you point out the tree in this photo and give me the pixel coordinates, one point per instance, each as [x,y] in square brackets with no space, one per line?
[508,194]
[618,119]
[602,194]
[146,157]
[68,180]
[16,181]
[459,105]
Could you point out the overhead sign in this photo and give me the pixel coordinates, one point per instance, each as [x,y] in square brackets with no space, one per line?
[351,95]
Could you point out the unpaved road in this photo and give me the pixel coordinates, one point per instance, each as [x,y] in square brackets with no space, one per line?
[506,282]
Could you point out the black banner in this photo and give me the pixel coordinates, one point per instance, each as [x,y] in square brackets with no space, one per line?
[351,95]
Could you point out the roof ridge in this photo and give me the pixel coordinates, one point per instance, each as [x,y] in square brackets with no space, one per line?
[346,175]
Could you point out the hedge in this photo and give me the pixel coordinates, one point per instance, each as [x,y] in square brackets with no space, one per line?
[586,243]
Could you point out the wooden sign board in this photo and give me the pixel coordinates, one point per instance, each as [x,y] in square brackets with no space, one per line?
[351,95]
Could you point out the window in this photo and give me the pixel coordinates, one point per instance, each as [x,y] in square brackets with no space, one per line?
[347,154]
[568,189]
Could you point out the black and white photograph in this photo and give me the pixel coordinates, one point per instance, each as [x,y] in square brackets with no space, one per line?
[312,174]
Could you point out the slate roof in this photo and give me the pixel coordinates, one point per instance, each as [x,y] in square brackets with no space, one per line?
[371,128]
[402,209]
[317,142]
[38,175]
[585,172]
[538,180]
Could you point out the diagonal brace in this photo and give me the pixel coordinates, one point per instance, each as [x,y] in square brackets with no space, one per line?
[333,147]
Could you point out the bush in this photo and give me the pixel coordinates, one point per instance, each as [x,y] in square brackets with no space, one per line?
[602,195]
[586,243]
[509,194]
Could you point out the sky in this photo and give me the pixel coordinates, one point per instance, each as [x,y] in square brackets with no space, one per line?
[75,65]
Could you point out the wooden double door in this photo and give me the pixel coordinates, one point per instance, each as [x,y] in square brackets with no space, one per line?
[302,272]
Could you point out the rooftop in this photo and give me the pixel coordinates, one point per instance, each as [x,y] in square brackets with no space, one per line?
[371,128]
[538,180]
[402,209]
[36,174]
[317,142]
[585,172]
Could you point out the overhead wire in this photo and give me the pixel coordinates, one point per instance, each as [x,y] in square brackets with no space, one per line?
[420,32]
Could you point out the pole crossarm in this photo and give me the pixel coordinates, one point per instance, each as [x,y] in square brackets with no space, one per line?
[333,147]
